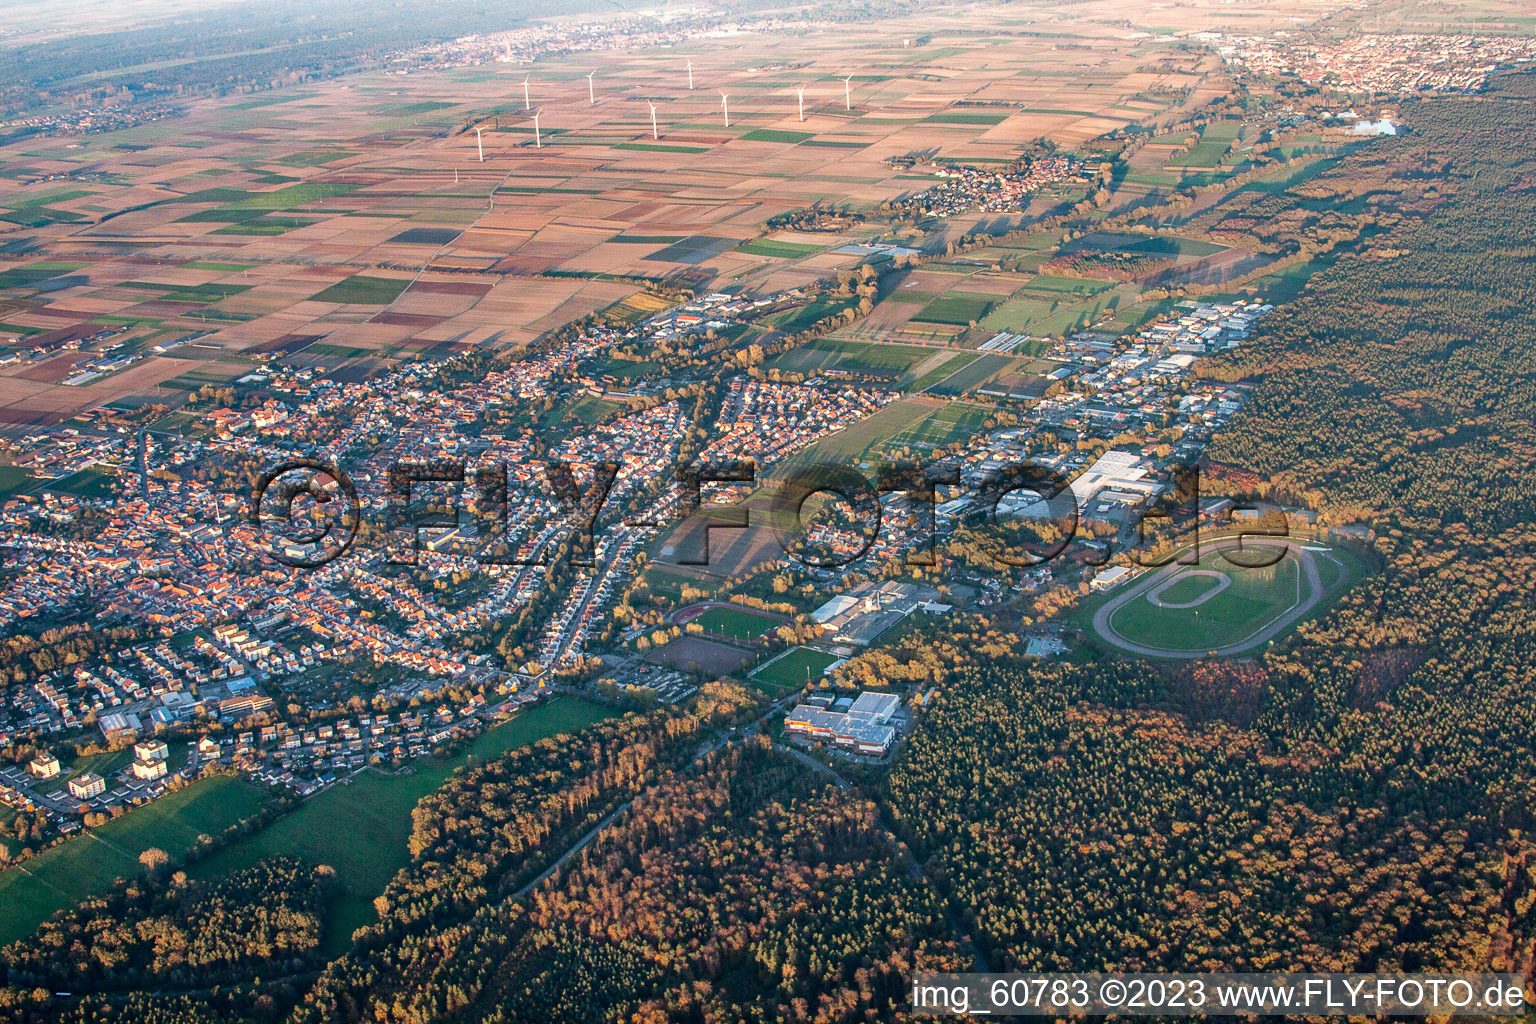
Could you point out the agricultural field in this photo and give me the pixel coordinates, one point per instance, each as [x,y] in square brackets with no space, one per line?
[956,308]
[955,421]
[307,211]
[875,359]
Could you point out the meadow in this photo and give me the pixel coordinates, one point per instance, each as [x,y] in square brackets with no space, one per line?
[88,864]
[361,827]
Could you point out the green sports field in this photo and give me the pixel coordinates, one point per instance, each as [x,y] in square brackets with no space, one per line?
[795,668]
[737,623]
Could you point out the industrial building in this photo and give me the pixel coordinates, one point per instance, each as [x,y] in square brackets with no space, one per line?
[860,724]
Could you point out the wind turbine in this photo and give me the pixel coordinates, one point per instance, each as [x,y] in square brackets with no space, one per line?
[526,104]
[690,74]
[479,144]
[847,93]
[538,142]
[654,133]
[725,109]
[801,93]
[591,96]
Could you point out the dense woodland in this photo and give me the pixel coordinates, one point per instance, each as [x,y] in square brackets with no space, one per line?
[1357,799]
[750,889]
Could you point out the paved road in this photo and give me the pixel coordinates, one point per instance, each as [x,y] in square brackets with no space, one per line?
[1309,575]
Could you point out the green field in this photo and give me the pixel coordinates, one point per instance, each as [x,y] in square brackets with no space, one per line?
[15,480]
[783,250]
[88,863]
[794,668]
[217,265]
[875,358]
[361,828]
[1082,285]
[1255,598]
[586,410]
[361,289]
[972,376]
[954,422]
[792,320]
[93,482]
[776,135]
[961,117]
[648,147]
[957,308]
[20,277]
[739,624]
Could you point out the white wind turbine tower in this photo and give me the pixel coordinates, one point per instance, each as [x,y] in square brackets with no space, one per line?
[591,96]
[690,74]
[526,104]
[538,141]
[725,109]
[847,93]
[801,93]
[654,133]
[479,145]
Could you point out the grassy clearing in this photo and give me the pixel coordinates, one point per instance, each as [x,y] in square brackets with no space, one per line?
[89,863]
[361,829]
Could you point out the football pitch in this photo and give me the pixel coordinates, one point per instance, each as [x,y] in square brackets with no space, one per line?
[794,668]
[736,623]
